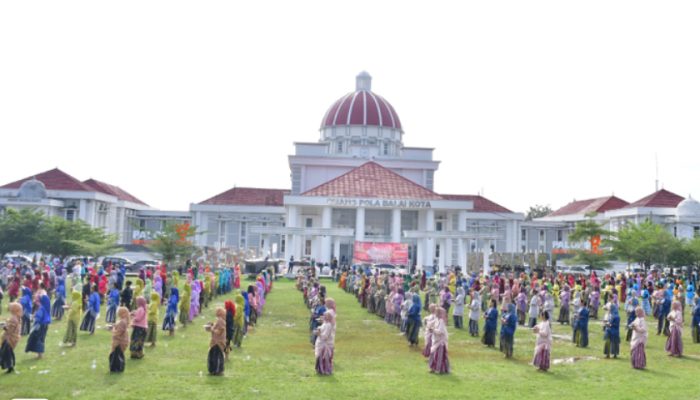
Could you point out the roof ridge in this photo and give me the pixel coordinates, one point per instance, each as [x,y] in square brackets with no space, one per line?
[368,164]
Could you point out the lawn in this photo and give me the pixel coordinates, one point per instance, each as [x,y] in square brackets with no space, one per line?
[371,361]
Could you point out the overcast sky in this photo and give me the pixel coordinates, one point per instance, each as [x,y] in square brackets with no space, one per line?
[528,101]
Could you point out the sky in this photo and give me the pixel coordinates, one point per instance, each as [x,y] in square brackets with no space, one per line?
[526,102]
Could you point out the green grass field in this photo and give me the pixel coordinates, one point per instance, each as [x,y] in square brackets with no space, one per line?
[371,361]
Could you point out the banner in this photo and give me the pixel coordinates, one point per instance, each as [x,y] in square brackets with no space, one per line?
[380,253]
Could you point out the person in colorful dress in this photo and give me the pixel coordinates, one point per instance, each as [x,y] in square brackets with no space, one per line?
[139,324]
[74,313]
[10,337]
[639,340]
[325,345]
[42,319]
[543,344]
[217,344]
[509,322]
[153,318]
[674,343]
[171,312]
[438,361]
[490,324]
[120,341]
[612,333]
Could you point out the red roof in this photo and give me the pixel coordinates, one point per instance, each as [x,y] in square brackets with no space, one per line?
[372,180]
[54,179]
[116,191]
[481,204]
[249,197]
[597,205]
[661,198]
[362,107]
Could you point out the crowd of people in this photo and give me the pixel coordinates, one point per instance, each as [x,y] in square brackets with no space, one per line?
[49,291]
[322,320]
[528,301]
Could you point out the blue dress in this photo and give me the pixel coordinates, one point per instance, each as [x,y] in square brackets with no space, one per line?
[581,328]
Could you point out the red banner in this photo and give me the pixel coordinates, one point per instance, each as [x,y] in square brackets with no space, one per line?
[380,253]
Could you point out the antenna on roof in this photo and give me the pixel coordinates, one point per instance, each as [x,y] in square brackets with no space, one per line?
[656,157]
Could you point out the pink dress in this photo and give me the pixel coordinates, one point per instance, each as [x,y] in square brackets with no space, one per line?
[438,360]
[543,346]
[638,343]
[674,343]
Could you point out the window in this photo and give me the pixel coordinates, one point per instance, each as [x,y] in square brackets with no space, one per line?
[244,234]
[307,247]
[541,235]
[437,251]
[70,214]
[675,231]
[696,231]
[438,226]
[560,235]
[385,150]
[309,222]
[283,245]
[340,146]
[142,224]
[523,235]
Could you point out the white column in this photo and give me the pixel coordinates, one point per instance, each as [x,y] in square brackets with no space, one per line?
[430,241]
[446,253]
[290,248]
[336,248]
[326,220]
[360,225]
[396,225]
[462,250]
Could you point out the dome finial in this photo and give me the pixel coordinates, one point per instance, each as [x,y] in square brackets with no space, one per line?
[363,81]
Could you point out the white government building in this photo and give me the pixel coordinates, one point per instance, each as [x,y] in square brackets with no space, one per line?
[357,192]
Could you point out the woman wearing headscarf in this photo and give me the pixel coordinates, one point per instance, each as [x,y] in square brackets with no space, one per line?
[76,309]
[92,311]
[534,310]
[42,319]
[581,327]
[325,345]
[695,331]
[26,302]
[60,300]
[674,343]
[137,292]
[509,322]
[194,300]
[215,362]
[171,311]
[139,323]
[230,315]
[428,331]
[253,300]
[564,297]
[521,305]
[474,313]
[612,333]
[10,337]
[490,323]
[639,340]
[239,321]
[246,309]
[543,344]
[112,304]
[438,360]
[120,341]
[414,321]
[458,312]
[153,318]
[185,304]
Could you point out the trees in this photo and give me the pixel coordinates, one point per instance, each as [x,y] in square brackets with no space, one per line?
[20,230]
[538,211]
[28,230]
[648,243]
[174,241]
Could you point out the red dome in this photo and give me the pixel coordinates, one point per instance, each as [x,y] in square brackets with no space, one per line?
[362,107]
